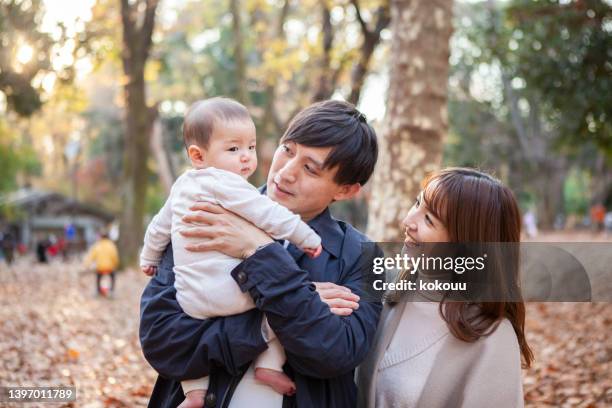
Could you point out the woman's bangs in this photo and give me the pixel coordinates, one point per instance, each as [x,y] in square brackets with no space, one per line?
[435,197]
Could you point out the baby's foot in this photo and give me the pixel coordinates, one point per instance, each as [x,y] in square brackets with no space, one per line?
[275,379]
[193,399]
[313,252]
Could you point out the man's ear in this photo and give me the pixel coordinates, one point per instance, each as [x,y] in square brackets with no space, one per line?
[196,154]
[347,191]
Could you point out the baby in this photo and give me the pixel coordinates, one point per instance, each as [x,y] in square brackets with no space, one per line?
[219,135]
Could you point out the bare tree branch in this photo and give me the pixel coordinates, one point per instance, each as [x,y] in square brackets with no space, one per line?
[271,118]
[128,32]
[364,26]
[146,31]
[241,90]
[324,88]
[371,38]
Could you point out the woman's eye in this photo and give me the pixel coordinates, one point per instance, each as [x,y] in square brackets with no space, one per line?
[309,169]
[428,220]
[417,202]
[287,150]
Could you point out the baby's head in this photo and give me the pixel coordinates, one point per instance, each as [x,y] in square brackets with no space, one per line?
[219,132]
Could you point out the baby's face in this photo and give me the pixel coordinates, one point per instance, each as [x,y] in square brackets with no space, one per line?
[232,148]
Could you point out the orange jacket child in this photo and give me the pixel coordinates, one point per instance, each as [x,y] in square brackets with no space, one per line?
[105,255]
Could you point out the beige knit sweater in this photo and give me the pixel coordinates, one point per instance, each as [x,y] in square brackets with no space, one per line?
[416,362]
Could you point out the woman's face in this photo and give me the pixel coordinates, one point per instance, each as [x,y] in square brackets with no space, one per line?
[420,225]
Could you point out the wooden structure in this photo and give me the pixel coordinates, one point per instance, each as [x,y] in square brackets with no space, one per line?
[37,214]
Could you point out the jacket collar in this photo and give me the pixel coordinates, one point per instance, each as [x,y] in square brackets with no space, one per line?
[330,232]
[332,235]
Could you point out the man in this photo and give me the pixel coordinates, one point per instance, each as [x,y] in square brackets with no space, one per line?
[326,155]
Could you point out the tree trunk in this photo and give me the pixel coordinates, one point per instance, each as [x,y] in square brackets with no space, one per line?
[416,121]
[371,38]
[163,161]
[241,83]
[324,87]
[137,31]
[550,184]
[601,184]
[270,122]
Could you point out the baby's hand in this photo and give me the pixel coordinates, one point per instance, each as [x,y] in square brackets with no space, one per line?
[149,270]
[313,252]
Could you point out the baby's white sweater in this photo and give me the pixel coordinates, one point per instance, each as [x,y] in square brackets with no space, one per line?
[203,282]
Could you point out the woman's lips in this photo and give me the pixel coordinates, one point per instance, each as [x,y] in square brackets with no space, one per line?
[410,241]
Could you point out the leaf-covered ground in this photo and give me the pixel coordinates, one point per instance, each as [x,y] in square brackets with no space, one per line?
[54,331]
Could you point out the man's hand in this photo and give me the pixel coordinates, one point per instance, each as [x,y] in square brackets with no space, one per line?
[341,300]
[218,229]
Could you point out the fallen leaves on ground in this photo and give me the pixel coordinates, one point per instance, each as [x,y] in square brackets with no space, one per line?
[55,331]
[572,345]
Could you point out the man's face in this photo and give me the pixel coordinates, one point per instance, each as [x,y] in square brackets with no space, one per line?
[298,181]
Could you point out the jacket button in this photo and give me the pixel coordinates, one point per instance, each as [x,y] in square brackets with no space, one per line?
[210,400]
[242,277]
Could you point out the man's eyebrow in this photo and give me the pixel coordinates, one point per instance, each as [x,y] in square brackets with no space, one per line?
[316,162]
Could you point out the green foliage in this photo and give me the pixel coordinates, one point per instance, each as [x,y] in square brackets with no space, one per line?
[15,158]
[156,196]
[563,50]
[25,52]
[105,130]
[477,138]
[576,192]
[529,95]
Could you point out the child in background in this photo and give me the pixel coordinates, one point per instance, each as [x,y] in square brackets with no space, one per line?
[219,135]
[105,256]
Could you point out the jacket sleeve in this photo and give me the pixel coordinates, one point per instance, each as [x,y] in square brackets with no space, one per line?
[180,347]
[317,343]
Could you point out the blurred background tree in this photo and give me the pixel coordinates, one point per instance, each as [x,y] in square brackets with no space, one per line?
[416,123]
[527,79]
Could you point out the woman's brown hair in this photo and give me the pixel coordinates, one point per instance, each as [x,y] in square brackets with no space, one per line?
[477,208]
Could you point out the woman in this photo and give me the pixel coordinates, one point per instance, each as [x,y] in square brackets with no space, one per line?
[445,353]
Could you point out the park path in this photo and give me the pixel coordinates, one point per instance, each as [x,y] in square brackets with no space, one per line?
[54,331]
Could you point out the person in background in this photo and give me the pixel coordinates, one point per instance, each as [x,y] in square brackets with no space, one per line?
[70,239]
[41,250]
[531,224]
[8,247]
[104,255]
[598,215]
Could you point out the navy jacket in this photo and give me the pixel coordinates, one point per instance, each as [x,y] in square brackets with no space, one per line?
[322,349]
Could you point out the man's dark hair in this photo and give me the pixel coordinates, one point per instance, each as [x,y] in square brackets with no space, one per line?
[339,125]
[201,117]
